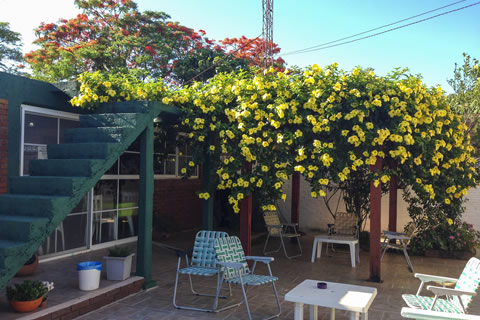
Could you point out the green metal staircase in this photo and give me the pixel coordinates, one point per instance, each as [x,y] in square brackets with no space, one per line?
[36,204]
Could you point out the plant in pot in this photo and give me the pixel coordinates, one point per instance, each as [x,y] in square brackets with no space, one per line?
[29,267]
[119,263]
[28,295]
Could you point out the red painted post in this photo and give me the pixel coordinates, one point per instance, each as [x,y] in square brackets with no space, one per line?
[246,219]
[375,224]
[295,213]
[392,204]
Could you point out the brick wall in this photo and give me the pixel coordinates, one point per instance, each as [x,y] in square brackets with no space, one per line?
[3,144]
[176,204]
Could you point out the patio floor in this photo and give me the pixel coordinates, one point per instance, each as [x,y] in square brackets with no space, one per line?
[156,303]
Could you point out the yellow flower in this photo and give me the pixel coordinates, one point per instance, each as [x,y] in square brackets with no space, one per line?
[191,163]
[240,196]
[450,221]
[284,197]
[264,168]
[183,170]
[314,194]
[212,148]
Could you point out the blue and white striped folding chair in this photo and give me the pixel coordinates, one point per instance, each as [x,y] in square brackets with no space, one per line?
[457,299]
[203,263]
[235,270]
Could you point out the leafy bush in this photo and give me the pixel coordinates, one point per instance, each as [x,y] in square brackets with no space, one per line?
[439,227]
[118,252]
[27,291]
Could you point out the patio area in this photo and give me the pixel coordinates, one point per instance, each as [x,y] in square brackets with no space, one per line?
[334,267]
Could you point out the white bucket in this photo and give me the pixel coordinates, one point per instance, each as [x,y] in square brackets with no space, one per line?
[89,275]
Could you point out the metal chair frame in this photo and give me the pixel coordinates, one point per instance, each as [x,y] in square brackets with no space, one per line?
[277,229]
[234,269]
[203,263]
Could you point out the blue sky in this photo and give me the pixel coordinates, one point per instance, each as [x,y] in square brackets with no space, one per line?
[430,48]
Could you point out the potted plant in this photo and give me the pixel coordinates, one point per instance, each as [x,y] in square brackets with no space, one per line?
[119,263]
[28,295]
[29,267]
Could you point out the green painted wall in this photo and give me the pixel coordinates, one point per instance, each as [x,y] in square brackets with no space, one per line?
[20,90]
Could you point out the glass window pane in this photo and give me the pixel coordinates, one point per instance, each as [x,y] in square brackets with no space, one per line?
[135,146]
[105,195]
[67,124]
[81,206]
[130,163]
[40,129]
[70,234]
[170,168]
[31,152]
[113,170]
[158,164]
[127,209]
[103,227]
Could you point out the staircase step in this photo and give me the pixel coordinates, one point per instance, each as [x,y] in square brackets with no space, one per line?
[82,150]
[65,167]
[127,120]
[124,107]
[12,252]
[100,134]
[33,205]
[46,185]
[22,228]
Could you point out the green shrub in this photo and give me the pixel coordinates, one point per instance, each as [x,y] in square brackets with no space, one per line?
[118,252]
[27,291]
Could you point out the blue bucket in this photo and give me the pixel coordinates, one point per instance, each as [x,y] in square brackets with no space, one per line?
[89,265]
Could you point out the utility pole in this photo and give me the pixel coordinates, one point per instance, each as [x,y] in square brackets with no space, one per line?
[267,32]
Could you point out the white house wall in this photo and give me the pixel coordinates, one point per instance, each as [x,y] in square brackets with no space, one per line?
[315,216]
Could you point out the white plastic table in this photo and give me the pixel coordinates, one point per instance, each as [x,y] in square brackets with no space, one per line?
[353,243]
[356,299]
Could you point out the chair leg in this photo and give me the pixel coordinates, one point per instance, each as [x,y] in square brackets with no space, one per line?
[385,246]
[245,298]
[276,296]
[410,267]
[265,247]
[285,250]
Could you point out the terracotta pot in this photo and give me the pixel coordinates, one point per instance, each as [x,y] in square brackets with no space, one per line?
[28,269]
[26,306]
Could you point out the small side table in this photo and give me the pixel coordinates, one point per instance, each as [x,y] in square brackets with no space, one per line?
[356,299]
[353,243]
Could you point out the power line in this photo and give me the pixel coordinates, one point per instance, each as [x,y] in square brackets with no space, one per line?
[326,45]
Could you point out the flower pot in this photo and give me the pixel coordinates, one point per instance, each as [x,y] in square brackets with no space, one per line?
[26,306]
[118,268]
[29,268]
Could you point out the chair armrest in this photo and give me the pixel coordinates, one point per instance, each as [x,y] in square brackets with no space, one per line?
[291,224]
[396,235]
[275,226]
[441,291]
[234,265]
[430,278]
[393,233]
[181,253]
[265,260]
[421,314]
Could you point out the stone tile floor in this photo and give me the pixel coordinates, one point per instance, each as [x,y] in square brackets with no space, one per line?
[156,303]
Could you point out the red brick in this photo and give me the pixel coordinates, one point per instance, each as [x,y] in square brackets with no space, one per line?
[71,315]
[58,314]
[80,305]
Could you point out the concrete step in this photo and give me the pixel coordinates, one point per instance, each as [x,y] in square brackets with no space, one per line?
[87,150]
[126,120]
[100,134]
[46,185]
[22,228]
[32,205]
[65,167]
